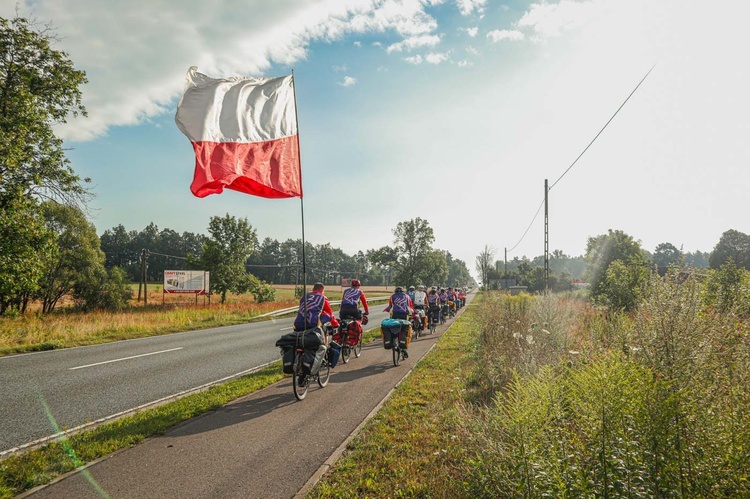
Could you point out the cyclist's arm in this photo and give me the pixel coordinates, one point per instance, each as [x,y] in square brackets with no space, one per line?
[364,303]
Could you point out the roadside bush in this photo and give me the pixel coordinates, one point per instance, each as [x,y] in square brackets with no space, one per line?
[654,403]
[100,289]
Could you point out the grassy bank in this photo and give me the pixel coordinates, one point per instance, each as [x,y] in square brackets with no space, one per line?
[413,447]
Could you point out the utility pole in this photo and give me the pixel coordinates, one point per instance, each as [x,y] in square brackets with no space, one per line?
[505,276]
[546,238]
[144,267]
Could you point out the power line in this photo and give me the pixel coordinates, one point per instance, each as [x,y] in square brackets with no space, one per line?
[529,227]
[580,155]
[605,126]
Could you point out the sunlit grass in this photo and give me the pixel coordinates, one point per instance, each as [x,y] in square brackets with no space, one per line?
[414,446]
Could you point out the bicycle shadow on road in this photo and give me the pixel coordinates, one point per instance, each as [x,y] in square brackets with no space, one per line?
[237,412]
[349,375]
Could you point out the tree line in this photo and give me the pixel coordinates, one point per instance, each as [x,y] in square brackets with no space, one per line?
[411,260]
[615,266]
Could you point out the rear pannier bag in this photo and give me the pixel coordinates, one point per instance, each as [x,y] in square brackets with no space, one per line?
[287,360]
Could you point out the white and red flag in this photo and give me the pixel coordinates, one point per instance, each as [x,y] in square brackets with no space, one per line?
[244,132]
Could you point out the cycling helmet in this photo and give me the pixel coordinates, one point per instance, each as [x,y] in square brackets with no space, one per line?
[356,283]
[411,288]
[433,289]
[420,287]
[399,289]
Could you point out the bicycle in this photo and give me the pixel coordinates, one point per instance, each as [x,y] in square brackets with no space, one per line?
[398,352]
[346,348]
[433,320]
[301,382]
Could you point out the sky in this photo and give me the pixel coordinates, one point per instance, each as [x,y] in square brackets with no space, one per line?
[455,111]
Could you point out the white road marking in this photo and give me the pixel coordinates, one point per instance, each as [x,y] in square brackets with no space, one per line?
[285,328]
[125,358]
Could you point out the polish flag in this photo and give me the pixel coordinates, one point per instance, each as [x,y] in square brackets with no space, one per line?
[244,132]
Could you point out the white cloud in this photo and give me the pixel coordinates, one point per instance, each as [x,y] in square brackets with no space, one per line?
[377,44]
[465,64]
[467,7]
[472,32]
[472,50]
[136,53]
[340,68]
[357,43]
[414,42]
[416,59]
[504,34]
[436,57]
[549,20]
[348,81]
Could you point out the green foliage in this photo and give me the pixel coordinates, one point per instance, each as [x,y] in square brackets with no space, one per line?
[224,254]
[77,255]
[261,291]
[26,245]
[623,284]
[651,404]
[728,289]
[601,251]
[100,289]
[666,255]
[732,244]
[39,88]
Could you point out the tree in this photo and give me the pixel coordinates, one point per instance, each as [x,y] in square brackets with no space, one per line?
[623,284]
[26,244]
[413,240]
[39,88]
[78,252]
[604,249]
[484,264]
[666,255]
[232,241]
[732,244]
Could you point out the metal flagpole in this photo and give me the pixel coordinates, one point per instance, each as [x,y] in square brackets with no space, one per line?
[301,202]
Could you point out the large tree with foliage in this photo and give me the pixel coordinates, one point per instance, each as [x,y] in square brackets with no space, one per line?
[78,253]
[734,245]
[666,255]
[602,251]
[232,240]
[410,259]
[39,88]
[26,244]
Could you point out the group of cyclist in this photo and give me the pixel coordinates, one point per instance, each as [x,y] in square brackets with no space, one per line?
[315,309]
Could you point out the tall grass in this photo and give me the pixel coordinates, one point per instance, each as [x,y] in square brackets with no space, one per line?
[67,328]
[569,401]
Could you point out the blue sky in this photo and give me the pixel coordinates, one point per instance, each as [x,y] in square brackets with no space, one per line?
[453,111]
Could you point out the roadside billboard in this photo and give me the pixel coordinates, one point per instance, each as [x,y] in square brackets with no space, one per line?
[186,281]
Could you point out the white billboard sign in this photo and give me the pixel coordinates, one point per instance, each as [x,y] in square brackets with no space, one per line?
[186,281]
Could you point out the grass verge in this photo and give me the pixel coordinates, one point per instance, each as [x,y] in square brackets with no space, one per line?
[413,446]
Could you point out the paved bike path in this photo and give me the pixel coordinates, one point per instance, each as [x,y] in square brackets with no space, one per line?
[264,445]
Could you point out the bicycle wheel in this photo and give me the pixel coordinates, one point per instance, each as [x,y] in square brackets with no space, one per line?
[358,348]
[396,355]
[432,327]
[324,374]
[299,391]
[346,350]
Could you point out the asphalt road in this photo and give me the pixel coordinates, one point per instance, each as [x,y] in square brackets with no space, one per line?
[264,445]
[46,392]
